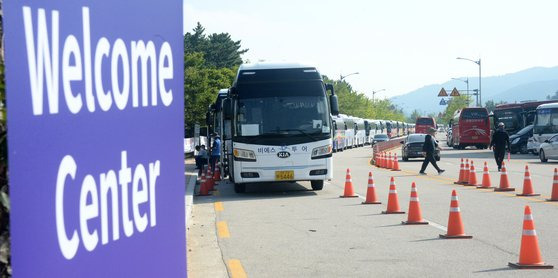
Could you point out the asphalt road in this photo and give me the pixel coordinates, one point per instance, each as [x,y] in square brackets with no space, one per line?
[287,230]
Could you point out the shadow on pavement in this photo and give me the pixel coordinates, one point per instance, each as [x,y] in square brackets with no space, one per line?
[258,191]
[494,270]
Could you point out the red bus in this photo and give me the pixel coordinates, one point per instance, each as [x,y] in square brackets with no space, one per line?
[423,123]
[516,115]
[470,127]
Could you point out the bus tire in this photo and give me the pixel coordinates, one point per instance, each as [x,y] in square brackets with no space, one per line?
[240,187]
[542,157]
[317,185]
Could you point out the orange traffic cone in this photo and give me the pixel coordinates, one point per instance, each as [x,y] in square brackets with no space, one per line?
[461,170]
[395,163]
[393,200]
[415,214]
[389,162]
[504,181]
[217,174]
[528,185]
[210,183]
[204,191]
[472,175]
[371,197]
[466,172]
[455,225]
[349,192]
[529,252]
[486,182]
[382,160]
[554,196]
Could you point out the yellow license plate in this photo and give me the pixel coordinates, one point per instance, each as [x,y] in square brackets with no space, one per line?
[284,175]
[475,137]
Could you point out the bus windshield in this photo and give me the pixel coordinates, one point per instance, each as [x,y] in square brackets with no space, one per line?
[474,114]
[547,121]
[425,121]
[282,110]
[511,118]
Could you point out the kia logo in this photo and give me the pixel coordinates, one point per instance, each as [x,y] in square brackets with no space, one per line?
[283,154]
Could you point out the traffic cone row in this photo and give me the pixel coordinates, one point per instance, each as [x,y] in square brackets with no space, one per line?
[204,187]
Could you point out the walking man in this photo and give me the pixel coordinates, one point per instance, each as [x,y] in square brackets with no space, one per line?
[429,148]
[215,151]
[499,144]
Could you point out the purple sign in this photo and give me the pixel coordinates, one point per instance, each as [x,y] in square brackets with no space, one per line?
[95,134]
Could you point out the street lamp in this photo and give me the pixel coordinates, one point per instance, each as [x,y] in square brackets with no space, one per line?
[341,77]
[467,82]
[479,97]
[375,92]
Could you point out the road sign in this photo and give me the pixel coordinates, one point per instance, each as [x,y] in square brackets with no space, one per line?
[443,101]
[443,93]
[454,92]
[96,155]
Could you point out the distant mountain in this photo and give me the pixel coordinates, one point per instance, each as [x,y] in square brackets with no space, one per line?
[530,84]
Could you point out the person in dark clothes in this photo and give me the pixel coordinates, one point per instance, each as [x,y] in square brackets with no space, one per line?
[499,144]
[429,148]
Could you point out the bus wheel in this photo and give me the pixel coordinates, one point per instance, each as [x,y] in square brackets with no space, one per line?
[239,187]
[317,185]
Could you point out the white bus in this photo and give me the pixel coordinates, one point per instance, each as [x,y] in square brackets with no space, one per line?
[546,122]
[349,131]
[222,126]
[338,126]
[281,125]
[360,132]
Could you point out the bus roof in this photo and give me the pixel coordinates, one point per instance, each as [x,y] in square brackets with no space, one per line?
[528,104]
[548,105]
[268,66]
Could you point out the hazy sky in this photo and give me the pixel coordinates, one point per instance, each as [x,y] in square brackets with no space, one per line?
[395,45]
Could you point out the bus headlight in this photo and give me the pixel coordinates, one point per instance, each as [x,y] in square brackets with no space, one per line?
[244,155]
[321,152]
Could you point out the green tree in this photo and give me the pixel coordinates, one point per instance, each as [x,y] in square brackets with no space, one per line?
[210,64]
[413,117]
[455,104]
[219,50]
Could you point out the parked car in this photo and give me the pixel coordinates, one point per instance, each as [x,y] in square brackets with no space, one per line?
[412,147]
[549,149]
[533,146]
[379,138]
[518,141]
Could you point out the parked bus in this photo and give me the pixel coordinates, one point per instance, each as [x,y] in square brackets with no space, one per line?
[423,123]
[390,129]
[516,115]
[222,126]
[349,131]
[339,128]
[281,125]
[545,123]
[470,127]
[360,132]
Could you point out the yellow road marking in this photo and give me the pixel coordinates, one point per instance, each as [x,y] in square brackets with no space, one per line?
[236,270]
[223,229]
[219,206]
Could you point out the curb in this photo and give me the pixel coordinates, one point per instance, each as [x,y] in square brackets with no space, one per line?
[189,198]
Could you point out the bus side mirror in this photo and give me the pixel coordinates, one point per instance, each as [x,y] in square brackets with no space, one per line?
[334,103]
[227,108]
